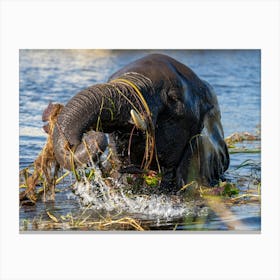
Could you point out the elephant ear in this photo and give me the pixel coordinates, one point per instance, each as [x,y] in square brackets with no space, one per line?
[175,101]
[209,100]
[199,101]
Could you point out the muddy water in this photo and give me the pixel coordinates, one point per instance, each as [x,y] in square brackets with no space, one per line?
[56,75]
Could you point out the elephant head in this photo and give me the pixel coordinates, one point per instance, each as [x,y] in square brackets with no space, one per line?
[168,104]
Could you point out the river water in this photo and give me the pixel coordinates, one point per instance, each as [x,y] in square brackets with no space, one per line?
[57,75]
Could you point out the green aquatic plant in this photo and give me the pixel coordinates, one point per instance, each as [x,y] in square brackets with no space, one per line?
[248,163]
[229,189]
[152,179]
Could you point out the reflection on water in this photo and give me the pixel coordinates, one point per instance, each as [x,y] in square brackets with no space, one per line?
[57,75]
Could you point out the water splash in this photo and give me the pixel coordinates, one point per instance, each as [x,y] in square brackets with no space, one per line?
[99,196]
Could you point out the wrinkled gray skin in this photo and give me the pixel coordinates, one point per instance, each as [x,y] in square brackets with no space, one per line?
[185,113]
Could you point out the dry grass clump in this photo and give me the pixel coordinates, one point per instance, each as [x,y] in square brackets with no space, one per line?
[81,222]
[240,137]
[45,166]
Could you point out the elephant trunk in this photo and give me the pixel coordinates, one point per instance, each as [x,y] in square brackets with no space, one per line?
[94,108]
[103,107]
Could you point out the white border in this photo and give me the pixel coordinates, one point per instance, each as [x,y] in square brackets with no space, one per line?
[147,24]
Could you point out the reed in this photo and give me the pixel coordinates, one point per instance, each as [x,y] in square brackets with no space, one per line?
[81,222]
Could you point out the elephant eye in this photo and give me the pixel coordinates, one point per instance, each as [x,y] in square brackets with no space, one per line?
[174,95]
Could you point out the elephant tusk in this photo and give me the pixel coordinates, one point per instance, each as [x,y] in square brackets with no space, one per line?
[138,120]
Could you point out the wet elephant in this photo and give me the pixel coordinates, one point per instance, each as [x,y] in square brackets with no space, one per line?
[155,102]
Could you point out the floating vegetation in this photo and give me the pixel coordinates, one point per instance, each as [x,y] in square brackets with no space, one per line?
[234,142]
[240,137]
[82,222]
[244,151]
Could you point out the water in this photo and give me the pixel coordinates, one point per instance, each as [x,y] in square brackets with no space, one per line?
[57,75]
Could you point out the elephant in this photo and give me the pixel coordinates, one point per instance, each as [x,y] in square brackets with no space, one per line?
[155,114]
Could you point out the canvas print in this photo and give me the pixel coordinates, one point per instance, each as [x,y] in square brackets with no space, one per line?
[139,140]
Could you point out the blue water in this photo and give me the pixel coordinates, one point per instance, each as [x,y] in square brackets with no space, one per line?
[57,75]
